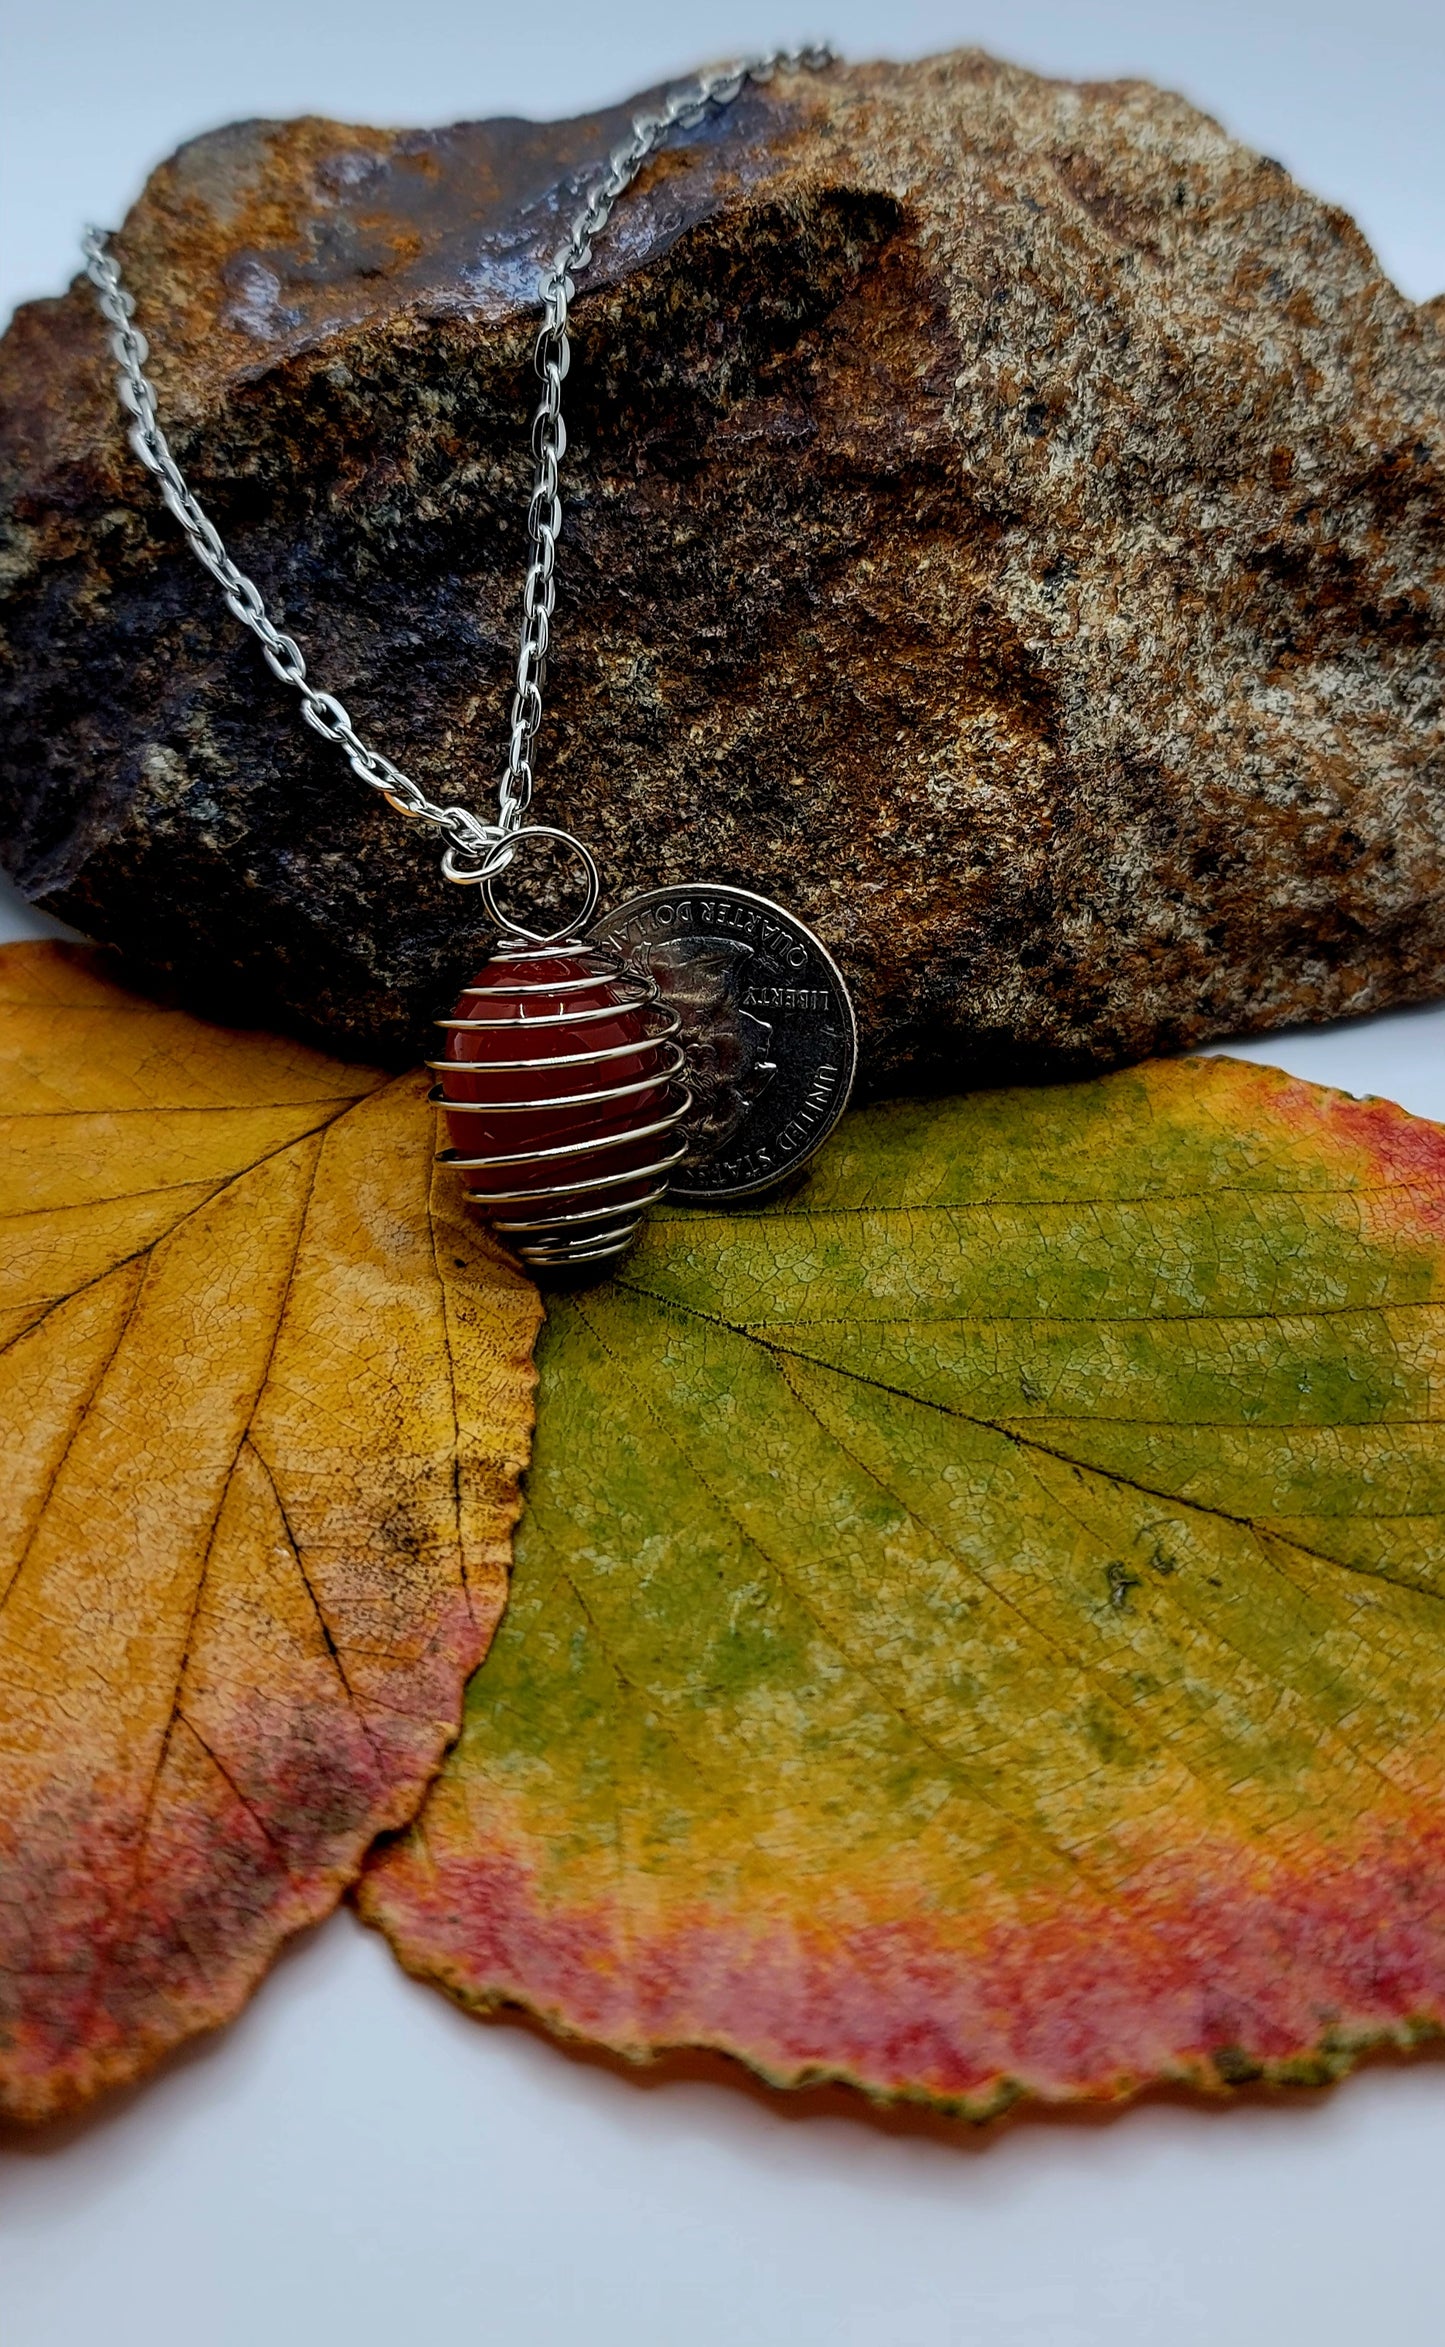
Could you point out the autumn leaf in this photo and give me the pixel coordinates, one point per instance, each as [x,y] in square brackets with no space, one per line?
[978,1628]
[265,1396]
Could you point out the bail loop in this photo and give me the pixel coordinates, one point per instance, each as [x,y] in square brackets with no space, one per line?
[592,887]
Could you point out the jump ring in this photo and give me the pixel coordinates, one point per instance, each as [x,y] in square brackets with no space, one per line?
[592,888]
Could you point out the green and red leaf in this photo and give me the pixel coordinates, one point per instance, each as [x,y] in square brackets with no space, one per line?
[978,1627]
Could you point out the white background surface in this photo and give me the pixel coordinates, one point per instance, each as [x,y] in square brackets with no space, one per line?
[356,2162]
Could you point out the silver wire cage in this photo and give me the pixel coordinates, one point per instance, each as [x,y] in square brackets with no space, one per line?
[577,1218]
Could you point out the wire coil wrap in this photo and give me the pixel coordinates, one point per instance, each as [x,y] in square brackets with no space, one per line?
[564,1090]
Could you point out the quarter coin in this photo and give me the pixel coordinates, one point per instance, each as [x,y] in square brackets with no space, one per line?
[766,1023]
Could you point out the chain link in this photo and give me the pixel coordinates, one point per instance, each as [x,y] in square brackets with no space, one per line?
[476,851]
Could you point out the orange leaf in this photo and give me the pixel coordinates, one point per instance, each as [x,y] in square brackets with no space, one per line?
[265,1394]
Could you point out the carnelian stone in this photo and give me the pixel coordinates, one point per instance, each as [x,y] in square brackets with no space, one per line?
[546,1011]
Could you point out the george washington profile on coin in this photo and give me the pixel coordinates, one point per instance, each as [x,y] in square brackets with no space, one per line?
[764,1021]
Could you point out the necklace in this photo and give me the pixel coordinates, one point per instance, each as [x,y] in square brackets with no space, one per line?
[698,1037]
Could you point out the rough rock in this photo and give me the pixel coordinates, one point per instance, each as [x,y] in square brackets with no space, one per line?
[1004,520]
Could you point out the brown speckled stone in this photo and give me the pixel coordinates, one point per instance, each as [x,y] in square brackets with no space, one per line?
[1004,520]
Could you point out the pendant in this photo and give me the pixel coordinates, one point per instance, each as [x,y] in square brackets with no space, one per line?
[698,1039]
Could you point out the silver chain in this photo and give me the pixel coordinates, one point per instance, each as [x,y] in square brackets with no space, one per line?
[476,851]
[683,108]
[465,833]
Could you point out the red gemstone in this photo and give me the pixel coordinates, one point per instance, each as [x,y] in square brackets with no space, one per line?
[562,1025]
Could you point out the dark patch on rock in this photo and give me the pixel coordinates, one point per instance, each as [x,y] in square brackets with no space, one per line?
[1004,520]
